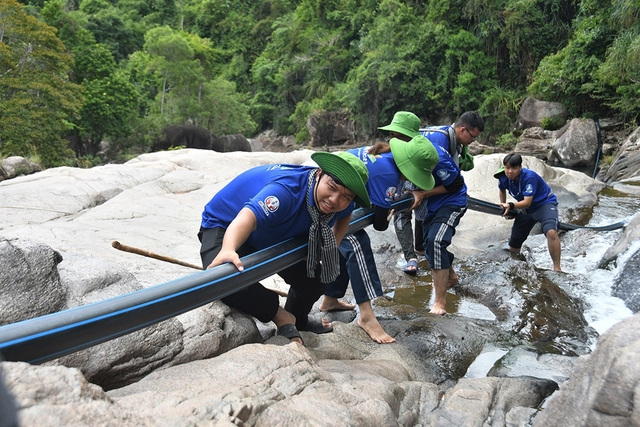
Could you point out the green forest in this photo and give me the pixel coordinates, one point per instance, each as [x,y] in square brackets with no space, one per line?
[74,73]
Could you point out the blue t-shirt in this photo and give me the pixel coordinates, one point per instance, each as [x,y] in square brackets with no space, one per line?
[528,184]
[439,138]
[445,173]
[276,194]
[384,183]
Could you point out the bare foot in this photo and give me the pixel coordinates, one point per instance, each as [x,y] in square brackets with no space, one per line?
[437,309]
[375,331]
[334,304]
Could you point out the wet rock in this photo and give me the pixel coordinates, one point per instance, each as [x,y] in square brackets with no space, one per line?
[528,302]
[523,361]
[629,236]
[602,389]
[626,285]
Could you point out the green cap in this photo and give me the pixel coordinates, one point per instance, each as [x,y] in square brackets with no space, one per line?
[347,168]
[405,123]
[498,172]
[416,160]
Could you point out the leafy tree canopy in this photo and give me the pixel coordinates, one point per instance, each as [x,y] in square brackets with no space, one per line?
[37,100]
[244,66]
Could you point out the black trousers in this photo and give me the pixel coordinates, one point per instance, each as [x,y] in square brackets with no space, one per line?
[258,301]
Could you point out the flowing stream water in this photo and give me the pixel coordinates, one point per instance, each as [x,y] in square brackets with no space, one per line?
[581,257]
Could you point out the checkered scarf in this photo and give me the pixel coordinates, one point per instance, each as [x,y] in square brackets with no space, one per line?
[322,241]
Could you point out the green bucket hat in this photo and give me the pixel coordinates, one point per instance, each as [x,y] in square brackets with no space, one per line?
[416,160]
[498,172]
[347,168]
[405,123]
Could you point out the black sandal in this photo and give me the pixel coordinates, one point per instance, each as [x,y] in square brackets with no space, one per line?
[290,331]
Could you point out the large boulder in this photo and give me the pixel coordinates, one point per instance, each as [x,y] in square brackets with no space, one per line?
[184,136]
[16,165]
[271,141]
[228,143]
[534,112]
[328,128]
[576,144]
[536,142]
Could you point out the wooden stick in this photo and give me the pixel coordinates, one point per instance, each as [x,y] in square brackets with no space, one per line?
[143,252]
[146,253]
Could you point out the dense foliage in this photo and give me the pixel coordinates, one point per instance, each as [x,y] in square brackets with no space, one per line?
[74,73]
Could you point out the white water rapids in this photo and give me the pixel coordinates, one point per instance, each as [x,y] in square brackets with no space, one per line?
[582,251]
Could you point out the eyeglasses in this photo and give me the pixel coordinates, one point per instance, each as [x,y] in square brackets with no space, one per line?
[473,137]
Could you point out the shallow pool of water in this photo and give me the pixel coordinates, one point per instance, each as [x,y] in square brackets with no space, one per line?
[422,296]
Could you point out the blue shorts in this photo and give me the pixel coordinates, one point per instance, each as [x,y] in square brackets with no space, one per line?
[546,215]
[438,230]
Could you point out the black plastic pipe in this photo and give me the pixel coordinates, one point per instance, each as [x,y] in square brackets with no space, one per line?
[495,209]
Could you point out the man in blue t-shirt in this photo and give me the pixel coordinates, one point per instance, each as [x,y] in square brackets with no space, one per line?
[440,210]
[269,204]
[389,164]
[455,139]
[535,202]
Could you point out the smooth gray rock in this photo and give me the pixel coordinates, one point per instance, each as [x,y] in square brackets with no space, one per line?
[533,112]
[492,401]
[29,280]
[603,387]
[54,396]
[576,143]
[15,166]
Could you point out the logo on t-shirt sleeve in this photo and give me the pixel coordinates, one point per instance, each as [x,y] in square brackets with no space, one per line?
[443,174]
[528,189]
[269,205]
[390,193]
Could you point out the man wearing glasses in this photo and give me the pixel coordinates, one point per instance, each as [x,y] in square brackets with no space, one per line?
[456,138]
[439,210]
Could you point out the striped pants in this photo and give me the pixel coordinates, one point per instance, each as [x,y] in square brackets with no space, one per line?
[438,229]
[358,265]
